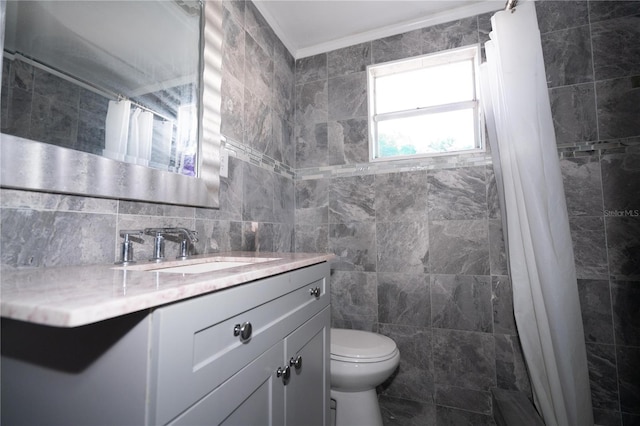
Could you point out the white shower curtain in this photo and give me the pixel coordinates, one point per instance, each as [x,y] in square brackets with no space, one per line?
[145,137]
[117,129]
[546,304]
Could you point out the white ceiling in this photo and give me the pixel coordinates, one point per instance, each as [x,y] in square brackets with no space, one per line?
[309,27]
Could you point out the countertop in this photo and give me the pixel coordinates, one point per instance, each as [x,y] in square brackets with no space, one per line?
[79,295]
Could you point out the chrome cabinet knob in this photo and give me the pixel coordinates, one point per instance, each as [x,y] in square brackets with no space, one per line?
[285,373]
[243,330]
[315,291]
[296,362]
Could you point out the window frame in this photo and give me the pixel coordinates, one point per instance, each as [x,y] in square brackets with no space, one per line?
[471,52]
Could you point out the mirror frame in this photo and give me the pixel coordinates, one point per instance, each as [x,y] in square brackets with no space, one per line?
[31,165]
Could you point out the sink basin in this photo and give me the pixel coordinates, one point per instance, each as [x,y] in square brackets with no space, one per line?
[199,266]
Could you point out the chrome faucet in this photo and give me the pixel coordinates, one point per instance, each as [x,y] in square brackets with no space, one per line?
[183,236]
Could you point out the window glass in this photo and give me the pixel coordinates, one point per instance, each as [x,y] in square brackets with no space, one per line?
[425,106]
[424,87]
[428,134]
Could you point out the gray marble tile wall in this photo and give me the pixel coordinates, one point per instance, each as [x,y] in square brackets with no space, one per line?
[421,253]
[256,202]
[428,269]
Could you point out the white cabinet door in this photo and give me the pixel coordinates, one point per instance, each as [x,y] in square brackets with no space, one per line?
[307,390]
[252,397]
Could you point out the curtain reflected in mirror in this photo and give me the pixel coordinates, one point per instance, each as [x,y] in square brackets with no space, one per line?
[115,79]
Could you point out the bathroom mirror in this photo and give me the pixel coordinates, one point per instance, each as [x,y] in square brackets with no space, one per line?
[106,99]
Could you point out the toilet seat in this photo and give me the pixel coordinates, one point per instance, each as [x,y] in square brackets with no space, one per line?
[361,346]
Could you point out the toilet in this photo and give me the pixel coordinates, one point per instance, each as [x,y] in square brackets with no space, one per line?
[360,361]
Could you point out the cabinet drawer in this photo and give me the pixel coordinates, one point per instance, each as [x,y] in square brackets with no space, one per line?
[195,346]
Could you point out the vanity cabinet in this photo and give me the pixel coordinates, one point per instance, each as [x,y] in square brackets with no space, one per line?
[265,392]
[253,354]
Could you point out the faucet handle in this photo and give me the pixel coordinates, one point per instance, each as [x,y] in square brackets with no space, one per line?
[132,235]
[185,233]
[126,254]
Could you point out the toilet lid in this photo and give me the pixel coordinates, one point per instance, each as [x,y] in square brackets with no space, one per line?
[360,344]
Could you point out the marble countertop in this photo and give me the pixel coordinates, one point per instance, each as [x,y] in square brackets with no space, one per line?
[80,295]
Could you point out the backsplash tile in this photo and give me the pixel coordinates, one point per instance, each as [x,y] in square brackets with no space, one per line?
[13,198]
[218,236]
[312,238]
[39,238]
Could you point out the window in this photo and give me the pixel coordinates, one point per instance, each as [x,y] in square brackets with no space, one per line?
[425,106]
